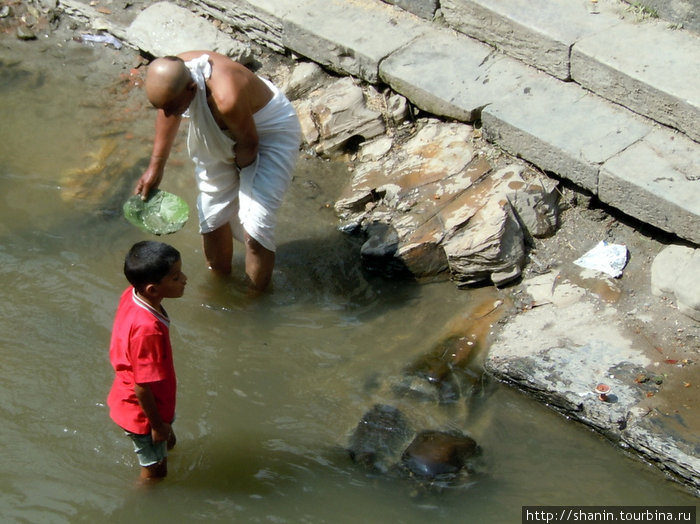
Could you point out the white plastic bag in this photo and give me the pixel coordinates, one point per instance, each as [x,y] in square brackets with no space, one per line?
[608,258]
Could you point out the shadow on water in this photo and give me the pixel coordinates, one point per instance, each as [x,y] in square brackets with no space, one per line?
[329,271]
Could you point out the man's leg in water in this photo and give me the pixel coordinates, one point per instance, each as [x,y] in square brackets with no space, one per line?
[259,263]
[218,249]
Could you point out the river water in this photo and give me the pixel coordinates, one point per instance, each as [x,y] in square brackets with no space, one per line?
[269,388]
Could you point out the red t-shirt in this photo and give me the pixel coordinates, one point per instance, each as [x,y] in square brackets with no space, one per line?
[140,353]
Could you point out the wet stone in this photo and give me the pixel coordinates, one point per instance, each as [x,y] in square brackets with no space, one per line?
[379,438]
[24,33]
[438,454]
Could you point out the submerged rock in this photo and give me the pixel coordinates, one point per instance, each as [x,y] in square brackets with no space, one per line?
[379,438]
[384,442]
[438,453]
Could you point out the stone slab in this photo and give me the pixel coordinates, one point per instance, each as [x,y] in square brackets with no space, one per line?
[646,67]
[166,29]
[528,30]
[448,74]
[349,36]
[656,180]
[259,20]
[562,128]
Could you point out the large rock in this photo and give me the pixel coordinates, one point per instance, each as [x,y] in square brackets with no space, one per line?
[335,115]
[384,442]
[430,206]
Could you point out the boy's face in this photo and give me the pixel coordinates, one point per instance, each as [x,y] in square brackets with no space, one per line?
[173,284]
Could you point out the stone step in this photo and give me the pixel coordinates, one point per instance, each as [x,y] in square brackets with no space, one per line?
[644,66]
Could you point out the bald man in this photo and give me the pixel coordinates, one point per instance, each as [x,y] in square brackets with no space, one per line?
[243,138]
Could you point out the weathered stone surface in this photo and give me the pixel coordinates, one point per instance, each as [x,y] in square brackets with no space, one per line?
[259,20]
[309,131]
[25,33]
[475,77]
[340,113]
[489,247]
[660,82]
[535,201]
[674,273]
[529,30]
[564,360]
[562,128]
[349,37]
[681,13]
[423,8]
[429,206]
[166,29]
[656,180]
[305,77]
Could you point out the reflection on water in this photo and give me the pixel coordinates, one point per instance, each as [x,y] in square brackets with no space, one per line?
[269,389]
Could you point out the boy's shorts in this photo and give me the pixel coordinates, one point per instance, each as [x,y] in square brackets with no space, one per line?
[148,452]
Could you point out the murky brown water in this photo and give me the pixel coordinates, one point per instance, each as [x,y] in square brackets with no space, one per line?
[269,389]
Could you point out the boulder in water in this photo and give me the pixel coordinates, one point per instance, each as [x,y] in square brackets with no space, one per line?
[438,454]
[379,438]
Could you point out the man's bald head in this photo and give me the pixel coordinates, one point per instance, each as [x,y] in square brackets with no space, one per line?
[166,78]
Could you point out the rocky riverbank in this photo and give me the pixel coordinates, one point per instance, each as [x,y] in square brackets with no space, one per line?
[436,200]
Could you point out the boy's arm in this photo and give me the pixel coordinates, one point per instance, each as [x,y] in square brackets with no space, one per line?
[160,430]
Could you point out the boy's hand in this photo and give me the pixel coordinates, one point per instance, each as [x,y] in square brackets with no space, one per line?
[161,432]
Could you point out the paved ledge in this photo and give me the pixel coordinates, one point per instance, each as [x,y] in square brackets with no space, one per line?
[528,30]
[650,179]
[562,128]
[418,72]
[647,68]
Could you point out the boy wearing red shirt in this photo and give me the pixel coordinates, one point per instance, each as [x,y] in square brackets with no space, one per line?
[142,398]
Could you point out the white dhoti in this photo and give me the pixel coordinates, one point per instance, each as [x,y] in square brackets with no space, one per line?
[249,200]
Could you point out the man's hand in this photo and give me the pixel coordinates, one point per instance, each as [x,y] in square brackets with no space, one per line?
[149,180]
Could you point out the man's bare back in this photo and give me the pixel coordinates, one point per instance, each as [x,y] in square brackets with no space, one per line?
[231,83]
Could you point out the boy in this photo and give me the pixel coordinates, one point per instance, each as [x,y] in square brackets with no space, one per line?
[142,398]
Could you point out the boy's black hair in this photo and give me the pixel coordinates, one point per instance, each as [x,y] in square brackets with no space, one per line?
[147,262]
